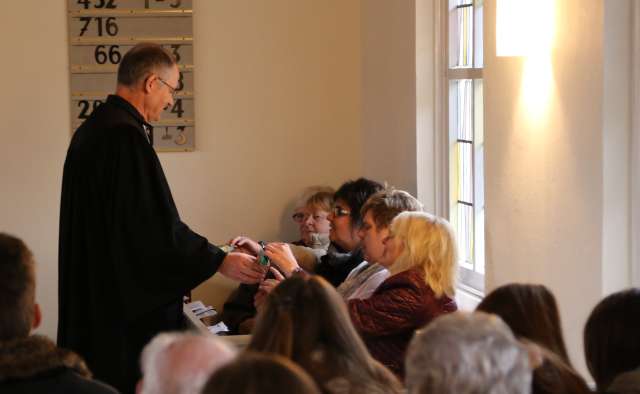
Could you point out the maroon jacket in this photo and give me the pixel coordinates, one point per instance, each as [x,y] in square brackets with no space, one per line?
[387,320]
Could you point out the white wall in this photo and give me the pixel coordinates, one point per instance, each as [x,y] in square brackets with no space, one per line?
[557,161]
[278,108]
[35,133]
[389,92]
[616,256]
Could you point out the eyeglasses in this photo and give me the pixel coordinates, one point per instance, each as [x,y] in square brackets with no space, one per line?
[339,211]
[172,90]
[300,217]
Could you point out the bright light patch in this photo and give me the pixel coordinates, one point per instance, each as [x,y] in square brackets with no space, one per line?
[537,86]
[524,27]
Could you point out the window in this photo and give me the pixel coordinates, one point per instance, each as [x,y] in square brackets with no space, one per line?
[464,123]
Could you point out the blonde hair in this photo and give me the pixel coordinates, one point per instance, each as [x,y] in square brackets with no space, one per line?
[429,243]
[314,195]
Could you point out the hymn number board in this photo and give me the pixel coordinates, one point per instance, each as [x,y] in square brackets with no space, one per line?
[102,31]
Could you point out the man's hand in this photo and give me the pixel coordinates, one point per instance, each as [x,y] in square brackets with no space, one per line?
[242,267]
[246,244]
[280,254]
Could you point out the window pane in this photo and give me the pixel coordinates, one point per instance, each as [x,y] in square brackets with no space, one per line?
[465,172]
[465,234]
[478,174]
[460,33]
[478,61]
[461,109]
[479,242]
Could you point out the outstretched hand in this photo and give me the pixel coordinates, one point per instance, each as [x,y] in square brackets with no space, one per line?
[242,267]
[281,255]
[246,245]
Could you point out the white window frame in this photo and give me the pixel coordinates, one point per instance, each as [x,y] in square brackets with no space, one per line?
[470,280]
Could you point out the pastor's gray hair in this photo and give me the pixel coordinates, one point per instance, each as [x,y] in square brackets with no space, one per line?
[467,353]
[181,363]
[142,60]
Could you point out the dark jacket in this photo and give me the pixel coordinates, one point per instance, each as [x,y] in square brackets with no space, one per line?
[35,365]
[125,256]
[387,320]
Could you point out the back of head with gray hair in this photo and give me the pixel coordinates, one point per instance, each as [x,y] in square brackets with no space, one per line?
[181,363]
[141,60]
[467,353]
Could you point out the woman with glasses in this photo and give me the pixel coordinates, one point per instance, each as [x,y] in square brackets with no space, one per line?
[310,214]
[421,255]
[345,222]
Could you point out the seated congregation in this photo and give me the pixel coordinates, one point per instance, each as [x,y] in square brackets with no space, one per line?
[363,302]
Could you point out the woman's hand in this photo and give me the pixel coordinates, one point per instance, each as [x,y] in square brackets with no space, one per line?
[267,287]
[281,255]
[246,245]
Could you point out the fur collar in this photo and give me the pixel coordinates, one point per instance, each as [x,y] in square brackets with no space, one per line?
[27,357]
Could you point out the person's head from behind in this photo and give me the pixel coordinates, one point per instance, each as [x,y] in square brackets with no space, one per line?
[306,320]
[612,337]
[531,312]
[148,74]
[377,214]
[311,215]
[177,363]
[467,353]
[254,373]
[426,242]
[19,313]
[345,218]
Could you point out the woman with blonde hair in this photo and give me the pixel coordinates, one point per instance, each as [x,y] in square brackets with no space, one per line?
[421,255]
[305,320]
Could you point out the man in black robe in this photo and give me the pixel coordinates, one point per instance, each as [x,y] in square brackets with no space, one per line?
[125,257]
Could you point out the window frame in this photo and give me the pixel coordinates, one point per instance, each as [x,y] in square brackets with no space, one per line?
[470,280]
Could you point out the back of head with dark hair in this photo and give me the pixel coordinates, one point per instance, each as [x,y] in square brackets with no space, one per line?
[17,288]
[554,375]
[387,204]
[254,373]
[612,337]
[306,320]
[142,60]
[531,312]
[355,194]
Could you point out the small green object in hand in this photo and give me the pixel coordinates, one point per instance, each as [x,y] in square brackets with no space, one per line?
[262,258]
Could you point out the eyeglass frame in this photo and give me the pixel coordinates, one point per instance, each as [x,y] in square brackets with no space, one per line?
[173,91]
[339,211]
[300,217]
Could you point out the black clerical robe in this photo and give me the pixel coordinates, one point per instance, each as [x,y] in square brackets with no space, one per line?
[125,257]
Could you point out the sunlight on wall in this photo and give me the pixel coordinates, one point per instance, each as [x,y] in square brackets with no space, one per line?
[538,83]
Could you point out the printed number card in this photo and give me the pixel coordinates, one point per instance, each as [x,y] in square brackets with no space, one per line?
[102,31]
